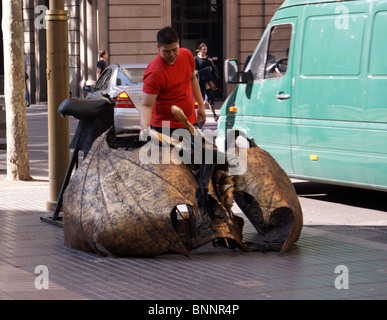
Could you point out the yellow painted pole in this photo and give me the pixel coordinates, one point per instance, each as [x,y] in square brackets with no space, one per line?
[58,90]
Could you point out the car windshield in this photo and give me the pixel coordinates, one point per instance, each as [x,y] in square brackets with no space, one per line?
[130,77]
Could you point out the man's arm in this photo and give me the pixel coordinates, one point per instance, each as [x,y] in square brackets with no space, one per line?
[148,102]
[199,98]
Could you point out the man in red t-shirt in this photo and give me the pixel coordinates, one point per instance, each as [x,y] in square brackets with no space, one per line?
[170,80]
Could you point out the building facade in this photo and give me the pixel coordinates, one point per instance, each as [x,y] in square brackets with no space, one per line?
[127,29]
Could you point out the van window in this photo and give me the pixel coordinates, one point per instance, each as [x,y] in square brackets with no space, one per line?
[271,59]
[378,61]
[330,49]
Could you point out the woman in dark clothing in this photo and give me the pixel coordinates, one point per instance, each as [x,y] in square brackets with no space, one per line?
[102,64]
[205,70]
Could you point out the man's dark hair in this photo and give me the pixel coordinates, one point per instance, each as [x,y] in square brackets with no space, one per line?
[167,35]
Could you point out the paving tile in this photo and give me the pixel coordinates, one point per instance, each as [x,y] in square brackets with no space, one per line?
[20,285]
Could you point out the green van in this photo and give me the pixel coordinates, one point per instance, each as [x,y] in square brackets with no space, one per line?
[312,94]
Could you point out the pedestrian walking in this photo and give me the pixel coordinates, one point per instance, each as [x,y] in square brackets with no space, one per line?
[102,63]
[208,75]
[28,102]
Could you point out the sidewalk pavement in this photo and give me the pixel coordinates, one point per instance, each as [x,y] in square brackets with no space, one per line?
[307,272]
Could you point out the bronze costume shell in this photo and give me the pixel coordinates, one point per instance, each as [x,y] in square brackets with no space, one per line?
[117,205]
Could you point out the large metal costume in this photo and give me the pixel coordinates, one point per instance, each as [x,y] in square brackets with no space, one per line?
[115,204]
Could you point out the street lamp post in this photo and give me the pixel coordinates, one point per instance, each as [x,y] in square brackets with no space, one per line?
[58,90]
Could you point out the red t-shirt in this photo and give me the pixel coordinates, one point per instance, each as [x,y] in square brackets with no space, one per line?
[172,84]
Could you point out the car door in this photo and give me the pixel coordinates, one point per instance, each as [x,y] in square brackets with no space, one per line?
[103,83]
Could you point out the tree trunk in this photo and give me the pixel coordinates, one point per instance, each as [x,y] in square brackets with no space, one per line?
[18,167]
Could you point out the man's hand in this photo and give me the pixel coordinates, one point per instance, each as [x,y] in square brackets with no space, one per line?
[201,116]
[144,134]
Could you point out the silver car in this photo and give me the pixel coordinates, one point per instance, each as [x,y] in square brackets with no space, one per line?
[123,83]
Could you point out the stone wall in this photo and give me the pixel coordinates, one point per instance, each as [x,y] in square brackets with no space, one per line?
[132,29]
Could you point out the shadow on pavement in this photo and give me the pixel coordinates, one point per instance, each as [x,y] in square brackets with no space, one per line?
[357,197]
